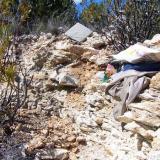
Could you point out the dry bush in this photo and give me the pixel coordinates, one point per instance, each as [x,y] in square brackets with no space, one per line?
[13,79]
[134,22]
[124,23]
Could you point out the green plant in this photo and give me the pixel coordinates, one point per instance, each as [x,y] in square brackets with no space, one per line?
[13,80]
[124,23]
[48,16]
[43,8]
[25,14]
[95,15]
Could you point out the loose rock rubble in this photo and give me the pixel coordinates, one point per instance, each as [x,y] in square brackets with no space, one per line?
[143,118]
[68,115]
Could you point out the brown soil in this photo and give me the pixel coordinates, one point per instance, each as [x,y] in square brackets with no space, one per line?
[84,71]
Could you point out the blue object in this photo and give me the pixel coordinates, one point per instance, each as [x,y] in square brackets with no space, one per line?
[143,66]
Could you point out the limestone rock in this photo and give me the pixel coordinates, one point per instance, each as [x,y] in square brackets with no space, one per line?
[53,75]
[128,117]
[146,113]
[85,111]
[52,154]
[60,57]
[63,45]
[102,58]
[85,119]
[87,55]
[40,76]
[96,41]
[35,143]
[45,132]
[152,107]
[40,57]
[155,82]
[80,50]
[154,41]
[81,140]
[78,32]
[150,95]
[86,129]
[107,127]
[95,100]
[139,129]
[71,139]
[65,79]
[49,85]
[156,143]
[99,121]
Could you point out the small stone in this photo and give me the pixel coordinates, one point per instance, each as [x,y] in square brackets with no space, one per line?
[61,154]
[45,132]
[49,85]
[33,107]
[53,154]
[73,156]
[35,143]
[103,137]
[100,59]
[75,150]
[64,136]
[18,127]
[39,108]
[53,75]
[49,35]
[71,139]
[99,121]
[81,140]
[139,129]
[156,143]
[56,138]
[49,108]
[66,145]
[50,124]
[126,118]
[107,127]
[95,100]
[155,82]
[74,145]
[96,41]
[67,80]
[86,129]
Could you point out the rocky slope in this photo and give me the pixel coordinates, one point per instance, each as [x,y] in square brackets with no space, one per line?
[68,115]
